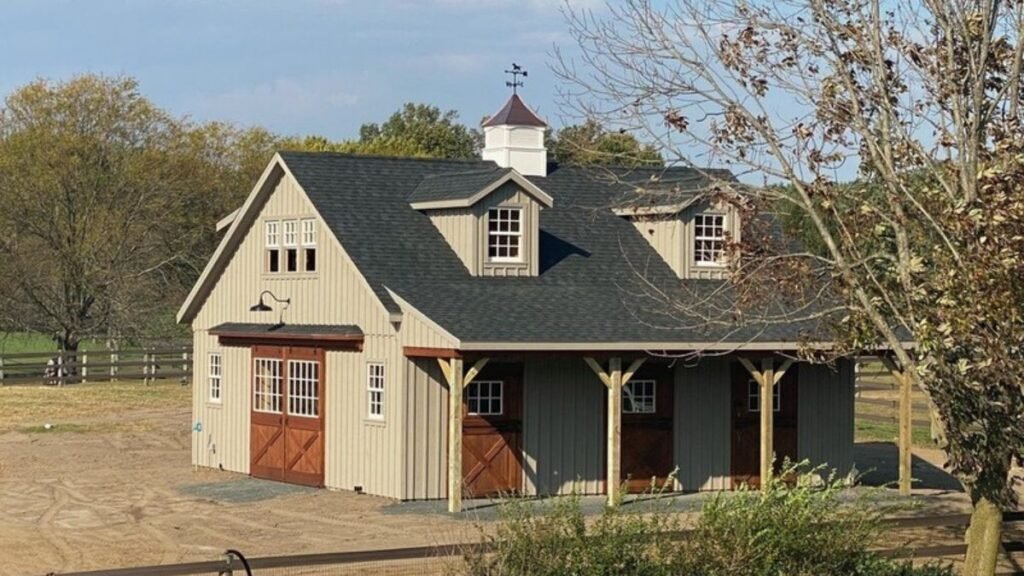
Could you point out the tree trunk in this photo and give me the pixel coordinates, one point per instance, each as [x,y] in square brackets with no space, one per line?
[983,539]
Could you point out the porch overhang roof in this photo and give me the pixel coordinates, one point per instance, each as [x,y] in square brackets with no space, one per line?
[341,335]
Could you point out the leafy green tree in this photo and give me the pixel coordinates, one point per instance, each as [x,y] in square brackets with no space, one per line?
[589,144]
[94,206]
[425,129]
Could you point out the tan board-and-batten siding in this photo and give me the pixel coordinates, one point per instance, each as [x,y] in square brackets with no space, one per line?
[356,446]
[465,230]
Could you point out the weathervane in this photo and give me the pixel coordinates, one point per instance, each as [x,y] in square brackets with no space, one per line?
[516,72]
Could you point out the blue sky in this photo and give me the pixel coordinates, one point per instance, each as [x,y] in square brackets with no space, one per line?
[294,66]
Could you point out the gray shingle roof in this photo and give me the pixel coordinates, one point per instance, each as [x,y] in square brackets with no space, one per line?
[600,280]
[456,185]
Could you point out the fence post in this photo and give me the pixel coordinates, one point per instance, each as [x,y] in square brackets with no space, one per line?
[85,368]
[1,370]
[113,366]
[184,366]
[145,367]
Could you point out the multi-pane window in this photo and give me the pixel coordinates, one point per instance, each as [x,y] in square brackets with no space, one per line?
[638,397]
[375,390]
[290,239]
[309,245]
[505,234]
[484,398]
[708,239]
[754,397]
[266,389]
[215,373]
[304,388]
[273,243]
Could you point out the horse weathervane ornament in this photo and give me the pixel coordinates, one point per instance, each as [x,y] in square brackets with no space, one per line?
[516,72]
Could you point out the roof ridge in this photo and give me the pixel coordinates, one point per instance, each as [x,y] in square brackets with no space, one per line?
[495,169]
[355,156]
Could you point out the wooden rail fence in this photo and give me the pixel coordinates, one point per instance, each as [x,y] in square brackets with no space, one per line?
[148,363]
[418,560]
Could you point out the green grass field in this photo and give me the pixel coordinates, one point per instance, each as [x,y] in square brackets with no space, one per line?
[26,342]
[868,431]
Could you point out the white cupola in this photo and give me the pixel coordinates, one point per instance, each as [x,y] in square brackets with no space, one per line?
[514,138]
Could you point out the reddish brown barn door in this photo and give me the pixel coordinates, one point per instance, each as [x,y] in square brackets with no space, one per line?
[492,432]
[647,406]
[287,422]
[746,425]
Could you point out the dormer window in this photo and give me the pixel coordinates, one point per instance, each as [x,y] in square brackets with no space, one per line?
[505,234]
[709,239]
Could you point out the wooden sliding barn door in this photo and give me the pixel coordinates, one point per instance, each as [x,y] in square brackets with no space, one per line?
[287,418]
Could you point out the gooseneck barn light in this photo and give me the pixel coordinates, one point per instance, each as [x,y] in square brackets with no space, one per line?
[262,306]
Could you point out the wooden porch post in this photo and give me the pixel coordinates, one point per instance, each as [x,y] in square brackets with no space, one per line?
[614,468]
[614,380]
[457,381]
[905,441]
[767,385]
[767,378]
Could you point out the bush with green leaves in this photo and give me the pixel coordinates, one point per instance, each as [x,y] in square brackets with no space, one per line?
[795,527]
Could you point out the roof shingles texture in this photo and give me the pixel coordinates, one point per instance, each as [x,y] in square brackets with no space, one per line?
[597,272]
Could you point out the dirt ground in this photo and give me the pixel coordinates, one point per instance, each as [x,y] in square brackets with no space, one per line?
[110,485]
[102,497]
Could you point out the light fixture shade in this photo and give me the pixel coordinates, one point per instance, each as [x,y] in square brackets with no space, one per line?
[260,307]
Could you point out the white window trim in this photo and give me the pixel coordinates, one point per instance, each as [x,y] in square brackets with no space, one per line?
[697,239]
[281,383]
[303,381]
[215,373]
[381,386]
[518,235]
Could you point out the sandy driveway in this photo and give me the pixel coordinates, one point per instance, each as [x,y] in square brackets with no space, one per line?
[76,501]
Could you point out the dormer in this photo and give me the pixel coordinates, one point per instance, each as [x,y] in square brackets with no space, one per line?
[514,138]
[490,218]
[690,233]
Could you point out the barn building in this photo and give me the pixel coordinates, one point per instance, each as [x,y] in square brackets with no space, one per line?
[438,329]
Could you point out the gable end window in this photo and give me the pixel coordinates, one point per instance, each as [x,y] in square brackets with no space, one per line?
[214,375]
[273,244]
[709,239]
[291,243]
[309,245]
[375,390]
[505,235]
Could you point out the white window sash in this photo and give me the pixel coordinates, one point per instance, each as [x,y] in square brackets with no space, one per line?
[375,384]
[290,236]
[713,222]
[273,236]
[496,214]
[216,370]
[309,233]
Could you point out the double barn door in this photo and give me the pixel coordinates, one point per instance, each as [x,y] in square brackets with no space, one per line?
[287,419]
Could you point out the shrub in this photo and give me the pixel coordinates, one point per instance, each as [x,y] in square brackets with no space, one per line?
[792,528]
